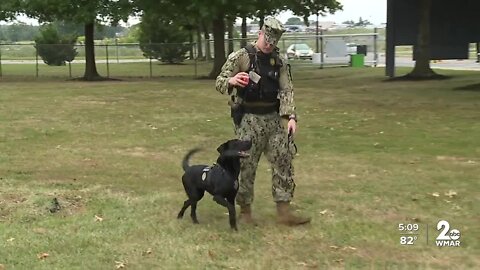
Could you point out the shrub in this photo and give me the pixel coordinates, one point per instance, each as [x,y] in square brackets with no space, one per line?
[54,49]
[163,39]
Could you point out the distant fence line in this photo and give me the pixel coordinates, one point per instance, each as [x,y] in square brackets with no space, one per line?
[113,59]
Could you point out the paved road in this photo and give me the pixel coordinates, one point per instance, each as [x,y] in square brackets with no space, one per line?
[467,64]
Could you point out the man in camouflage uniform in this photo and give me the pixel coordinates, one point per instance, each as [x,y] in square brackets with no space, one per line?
[259,81]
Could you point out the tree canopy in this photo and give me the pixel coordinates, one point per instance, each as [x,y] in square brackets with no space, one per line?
[8,9]
[216,13]
[86,12]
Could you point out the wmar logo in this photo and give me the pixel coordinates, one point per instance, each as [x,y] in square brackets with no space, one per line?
[447,237]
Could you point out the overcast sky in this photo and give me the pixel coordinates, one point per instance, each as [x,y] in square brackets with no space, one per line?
[374,11]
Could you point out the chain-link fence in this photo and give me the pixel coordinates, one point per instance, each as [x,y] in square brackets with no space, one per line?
[195,60]
[111,60]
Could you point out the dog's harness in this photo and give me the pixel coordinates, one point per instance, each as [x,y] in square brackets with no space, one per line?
[207,172]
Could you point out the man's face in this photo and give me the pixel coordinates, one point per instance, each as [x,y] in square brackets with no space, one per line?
[262,43]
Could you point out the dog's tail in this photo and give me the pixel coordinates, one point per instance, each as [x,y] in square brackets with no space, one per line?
[187,158]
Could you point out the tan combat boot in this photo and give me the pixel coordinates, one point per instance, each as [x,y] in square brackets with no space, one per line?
[246,215]
[286,217]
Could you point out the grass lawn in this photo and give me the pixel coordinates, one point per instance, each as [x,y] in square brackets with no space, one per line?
[372,155]
[113,69]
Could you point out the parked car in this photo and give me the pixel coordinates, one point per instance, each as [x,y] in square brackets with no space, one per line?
[299,51]
[293,28]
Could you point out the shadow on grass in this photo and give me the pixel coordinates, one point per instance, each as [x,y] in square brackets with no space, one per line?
[95,79]
[408,78]
[471,87]
[204,78]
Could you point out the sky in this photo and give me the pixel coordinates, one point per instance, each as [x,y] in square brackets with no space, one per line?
[374,11]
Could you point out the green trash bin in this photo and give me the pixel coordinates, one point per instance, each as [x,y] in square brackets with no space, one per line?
[357,60]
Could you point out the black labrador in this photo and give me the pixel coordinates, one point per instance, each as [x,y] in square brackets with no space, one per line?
[220,180]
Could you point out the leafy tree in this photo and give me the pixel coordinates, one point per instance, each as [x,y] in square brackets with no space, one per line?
[215,12]
[163,39]
[9,9]
[19,32]
[54,49]
[86,12]
[294,21]
[305,8]
[362,23]
[131,34]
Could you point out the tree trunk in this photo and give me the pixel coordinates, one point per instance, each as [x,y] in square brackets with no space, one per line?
[422,53]
[244,32]
[199,43]
[191,44]
[230,35]
[91,73]
[261,19]
[206,35]
[219,45]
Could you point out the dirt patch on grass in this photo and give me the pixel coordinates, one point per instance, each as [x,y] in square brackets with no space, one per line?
[142,152]
[8,203]
[457,160]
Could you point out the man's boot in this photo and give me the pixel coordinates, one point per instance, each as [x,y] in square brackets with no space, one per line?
[286,216]
[246,215]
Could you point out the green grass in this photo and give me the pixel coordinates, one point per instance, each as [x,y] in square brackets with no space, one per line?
[371,154]
[136,69]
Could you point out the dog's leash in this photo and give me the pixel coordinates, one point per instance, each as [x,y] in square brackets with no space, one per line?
[290,141]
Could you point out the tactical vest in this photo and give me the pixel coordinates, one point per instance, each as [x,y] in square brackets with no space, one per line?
[268,67]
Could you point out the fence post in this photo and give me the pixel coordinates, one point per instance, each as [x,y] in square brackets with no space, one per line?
[208,55]
[316,35]
[106,55]
[150,61]
[477,46]
[36,62]
[195,57]
[1,60]
[375,39]
[116,49]
[322,59]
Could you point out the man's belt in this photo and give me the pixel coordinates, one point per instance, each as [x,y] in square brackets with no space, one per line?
[260,107]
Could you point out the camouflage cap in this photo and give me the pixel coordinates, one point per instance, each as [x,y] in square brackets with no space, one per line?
[273,30]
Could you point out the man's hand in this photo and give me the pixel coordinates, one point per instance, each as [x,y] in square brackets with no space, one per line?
[292,126]
[240,79]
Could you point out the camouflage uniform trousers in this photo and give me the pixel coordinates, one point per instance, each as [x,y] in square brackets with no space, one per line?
[268,136]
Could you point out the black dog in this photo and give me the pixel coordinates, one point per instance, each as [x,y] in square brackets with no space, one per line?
[220,180]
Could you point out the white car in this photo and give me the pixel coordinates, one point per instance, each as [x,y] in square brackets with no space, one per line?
[299,51]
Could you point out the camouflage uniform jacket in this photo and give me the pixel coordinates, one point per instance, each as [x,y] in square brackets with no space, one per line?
[239,61]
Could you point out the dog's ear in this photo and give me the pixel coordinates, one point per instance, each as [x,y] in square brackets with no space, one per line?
[222,147]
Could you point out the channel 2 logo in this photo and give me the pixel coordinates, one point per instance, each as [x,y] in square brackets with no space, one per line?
[447,237]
